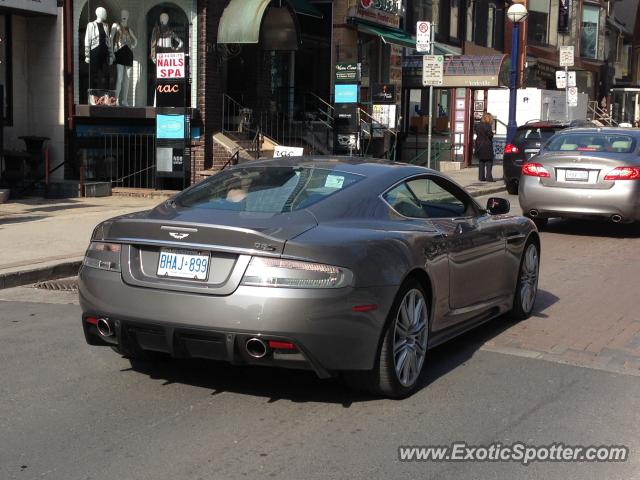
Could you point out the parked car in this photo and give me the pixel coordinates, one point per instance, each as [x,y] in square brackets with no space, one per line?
[586,173]
[334,265]
[527,142]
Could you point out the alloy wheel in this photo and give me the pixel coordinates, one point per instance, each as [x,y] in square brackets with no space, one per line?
[529,278]
[410,337]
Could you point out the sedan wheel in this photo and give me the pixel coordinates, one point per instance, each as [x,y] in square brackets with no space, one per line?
[527,287]
[410,337]
[404,346]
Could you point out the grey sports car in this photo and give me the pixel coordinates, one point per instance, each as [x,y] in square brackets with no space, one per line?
[334,265]
[586,173]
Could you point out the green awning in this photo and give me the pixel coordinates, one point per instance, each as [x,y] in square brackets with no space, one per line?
[388,35]
[302,7]
[241,21]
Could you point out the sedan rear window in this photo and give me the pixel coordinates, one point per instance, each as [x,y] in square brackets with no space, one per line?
[538,134]
[266,189]
[592,142]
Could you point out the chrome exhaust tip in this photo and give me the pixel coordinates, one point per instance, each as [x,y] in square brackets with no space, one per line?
[616,218]
[104,327]
[256,348]
[533,213]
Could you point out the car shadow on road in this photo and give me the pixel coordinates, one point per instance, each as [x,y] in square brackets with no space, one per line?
[300,386]
[593,228]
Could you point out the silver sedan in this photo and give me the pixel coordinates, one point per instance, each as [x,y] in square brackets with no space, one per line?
[586,173]
[333,265]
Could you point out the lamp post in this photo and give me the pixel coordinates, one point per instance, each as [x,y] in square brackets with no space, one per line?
[517,13]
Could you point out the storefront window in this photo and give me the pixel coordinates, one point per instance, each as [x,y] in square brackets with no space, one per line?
[453,20]
[470,16]
[117,46]
[421,11]
[538,22]
[491,25]
[589,37]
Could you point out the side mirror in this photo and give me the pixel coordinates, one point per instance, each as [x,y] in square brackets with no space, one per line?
[498,206]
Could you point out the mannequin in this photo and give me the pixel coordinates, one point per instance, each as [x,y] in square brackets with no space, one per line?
[98,51]
[163,38]
[124,42]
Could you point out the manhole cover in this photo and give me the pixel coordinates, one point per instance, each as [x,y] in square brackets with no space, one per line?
[62,284]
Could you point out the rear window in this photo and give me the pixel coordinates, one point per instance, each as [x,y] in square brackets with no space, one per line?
[536,134]
[592,142]
[266,189]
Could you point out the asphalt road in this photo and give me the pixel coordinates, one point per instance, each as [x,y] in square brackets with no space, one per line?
[69,411]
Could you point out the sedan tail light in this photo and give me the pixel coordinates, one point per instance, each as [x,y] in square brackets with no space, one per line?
[104,256]
[511,148]
[278,272]
[624,173]
[533,169]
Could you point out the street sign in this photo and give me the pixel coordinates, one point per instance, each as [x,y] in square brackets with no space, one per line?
[423,37]
[566,56]
[432,70]
[572,96]
[560,79]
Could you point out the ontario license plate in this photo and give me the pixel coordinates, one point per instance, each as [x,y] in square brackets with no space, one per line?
[183,264]
[576,175]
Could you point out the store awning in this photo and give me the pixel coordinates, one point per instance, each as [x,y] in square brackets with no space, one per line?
[242,19]
[388,35]
[476,71]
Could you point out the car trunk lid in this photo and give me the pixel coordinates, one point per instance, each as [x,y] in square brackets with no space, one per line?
[579,169]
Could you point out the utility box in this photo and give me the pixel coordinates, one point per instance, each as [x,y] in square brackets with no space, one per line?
[534,104]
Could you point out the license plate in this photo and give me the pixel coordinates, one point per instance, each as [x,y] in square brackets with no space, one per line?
[183,264]
[576,175]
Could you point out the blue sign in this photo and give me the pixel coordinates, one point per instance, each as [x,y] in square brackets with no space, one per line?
[347,93]
[170,126]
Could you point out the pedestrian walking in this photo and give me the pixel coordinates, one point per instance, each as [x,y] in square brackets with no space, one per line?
[484,147]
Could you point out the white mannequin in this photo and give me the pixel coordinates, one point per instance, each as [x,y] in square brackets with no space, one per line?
[124,42]
[89,40]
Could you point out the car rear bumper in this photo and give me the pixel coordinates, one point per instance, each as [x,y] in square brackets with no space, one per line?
[623,199]
[512,169]
[328,334]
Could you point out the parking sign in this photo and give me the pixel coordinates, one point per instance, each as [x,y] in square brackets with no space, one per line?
[423,37]
[572,96]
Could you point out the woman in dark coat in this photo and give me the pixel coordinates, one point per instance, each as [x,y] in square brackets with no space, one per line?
[484,147]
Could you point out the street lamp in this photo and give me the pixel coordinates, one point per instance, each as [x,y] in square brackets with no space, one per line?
[517,13]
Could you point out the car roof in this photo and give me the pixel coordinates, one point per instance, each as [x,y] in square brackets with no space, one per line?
[543,124]
[367,166]
[621,130]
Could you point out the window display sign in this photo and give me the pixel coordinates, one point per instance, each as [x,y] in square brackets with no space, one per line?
[385,115]
[170,94]
[347,93]
[170,126]
[383,93]
[347,72]
[170,65]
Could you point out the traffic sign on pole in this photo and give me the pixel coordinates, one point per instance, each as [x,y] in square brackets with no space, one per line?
[423,37]
[432,70]
[566,56]
[572,96]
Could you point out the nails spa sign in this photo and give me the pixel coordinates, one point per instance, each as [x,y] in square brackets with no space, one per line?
[170,65]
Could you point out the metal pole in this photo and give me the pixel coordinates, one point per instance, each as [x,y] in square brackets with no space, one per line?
[566,91]
[513,84]
[430,129]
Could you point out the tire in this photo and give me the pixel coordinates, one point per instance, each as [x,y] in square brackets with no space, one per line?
[512,187]
[397,375]
[524,297]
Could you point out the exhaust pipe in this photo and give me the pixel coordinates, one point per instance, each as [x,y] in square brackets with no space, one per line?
[256,348]
[616,218]
[533,213]
[104,327]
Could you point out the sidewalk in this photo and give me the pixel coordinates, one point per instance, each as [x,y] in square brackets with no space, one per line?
[46,239]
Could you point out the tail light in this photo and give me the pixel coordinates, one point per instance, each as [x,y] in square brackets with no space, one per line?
[104,256]
[511,148]
[624,173]
[533,169]
[276,272]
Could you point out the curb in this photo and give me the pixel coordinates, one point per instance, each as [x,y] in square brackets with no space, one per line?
[487,191]
[27,277]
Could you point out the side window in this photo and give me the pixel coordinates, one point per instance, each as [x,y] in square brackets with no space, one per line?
[439,198]
[403,201]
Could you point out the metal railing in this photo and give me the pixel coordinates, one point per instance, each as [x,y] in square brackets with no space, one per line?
[371,129]
[129,161]
[439,150]
[600,114]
